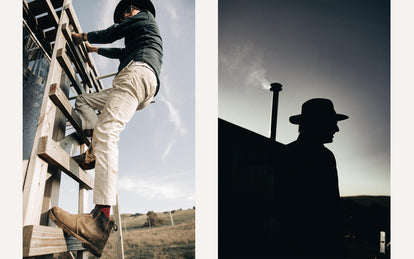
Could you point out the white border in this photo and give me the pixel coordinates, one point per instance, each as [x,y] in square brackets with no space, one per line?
[402,128]
[11,125]
[206,129]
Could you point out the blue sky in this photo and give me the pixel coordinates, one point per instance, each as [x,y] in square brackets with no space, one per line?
[157,161]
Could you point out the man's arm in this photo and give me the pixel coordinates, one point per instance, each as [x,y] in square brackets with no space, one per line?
[106,52]
[110,52]
[113,32]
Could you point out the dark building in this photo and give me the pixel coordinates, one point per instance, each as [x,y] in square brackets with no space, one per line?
[246,166]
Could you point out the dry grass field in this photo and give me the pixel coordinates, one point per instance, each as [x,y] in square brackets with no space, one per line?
[164,242]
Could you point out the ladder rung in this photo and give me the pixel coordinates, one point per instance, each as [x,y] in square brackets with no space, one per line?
[51,152]
[42,240]
[61,101]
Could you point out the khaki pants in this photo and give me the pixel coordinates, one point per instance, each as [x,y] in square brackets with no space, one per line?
[132,89]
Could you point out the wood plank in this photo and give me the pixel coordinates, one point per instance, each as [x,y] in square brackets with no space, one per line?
[51,11]
[51,195]
[82,208]
[72,17]
[24,167]
[41,240]
[119,241]
[34,185]
[66,64]
[52,188]
[51,152]
[60,100]
[70,143]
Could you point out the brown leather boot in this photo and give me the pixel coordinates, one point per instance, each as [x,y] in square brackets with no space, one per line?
[86,160]
[92,229]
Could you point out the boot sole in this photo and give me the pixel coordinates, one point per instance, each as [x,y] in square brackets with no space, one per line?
[85,243]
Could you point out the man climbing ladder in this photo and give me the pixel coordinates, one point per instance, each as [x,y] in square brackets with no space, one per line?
[133,88]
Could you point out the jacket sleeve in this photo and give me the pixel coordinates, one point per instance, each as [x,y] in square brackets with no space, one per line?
[119,30]
[111,52]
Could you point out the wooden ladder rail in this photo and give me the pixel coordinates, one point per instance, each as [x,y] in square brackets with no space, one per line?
[41,183]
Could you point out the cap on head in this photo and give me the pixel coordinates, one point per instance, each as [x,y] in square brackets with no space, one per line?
[317,110]
[123,5]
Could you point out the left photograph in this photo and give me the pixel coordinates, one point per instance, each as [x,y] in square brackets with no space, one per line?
[108,129]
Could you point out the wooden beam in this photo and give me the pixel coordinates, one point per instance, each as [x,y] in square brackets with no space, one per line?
[66,64]
[41,240]
[60,100]
[50,9]
[25,165]
[51,152]
[34,184]
[70,143]
[119,241]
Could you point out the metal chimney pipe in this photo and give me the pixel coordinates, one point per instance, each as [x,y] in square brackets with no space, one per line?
[275,88]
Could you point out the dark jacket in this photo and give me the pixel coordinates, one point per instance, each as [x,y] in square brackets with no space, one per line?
[142,41]
[307,202]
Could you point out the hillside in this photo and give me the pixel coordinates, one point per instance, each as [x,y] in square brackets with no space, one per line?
[165,241]
[365,217]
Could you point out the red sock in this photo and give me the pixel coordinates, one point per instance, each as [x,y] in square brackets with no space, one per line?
[106,209]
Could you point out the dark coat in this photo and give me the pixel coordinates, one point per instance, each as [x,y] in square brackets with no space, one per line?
[142,41]
[307,203]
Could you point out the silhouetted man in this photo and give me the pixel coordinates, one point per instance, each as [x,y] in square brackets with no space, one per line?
[308,206]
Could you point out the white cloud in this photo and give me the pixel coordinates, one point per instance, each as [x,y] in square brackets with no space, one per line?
[150,189]
[173,113]
[173,17]
[106,8]
[168,148]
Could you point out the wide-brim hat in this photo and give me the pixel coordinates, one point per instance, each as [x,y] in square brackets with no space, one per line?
[123,5]
[317,110]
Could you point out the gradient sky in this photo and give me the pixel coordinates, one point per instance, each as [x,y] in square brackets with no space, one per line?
[336,49]
[156,165]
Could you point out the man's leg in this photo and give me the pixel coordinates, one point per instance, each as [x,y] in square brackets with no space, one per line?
[86,105]
[133,88]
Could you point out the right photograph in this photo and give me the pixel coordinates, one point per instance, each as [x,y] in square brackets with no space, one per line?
[304,129]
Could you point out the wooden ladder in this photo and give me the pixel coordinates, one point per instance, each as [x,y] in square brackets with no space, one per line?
[52,149]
